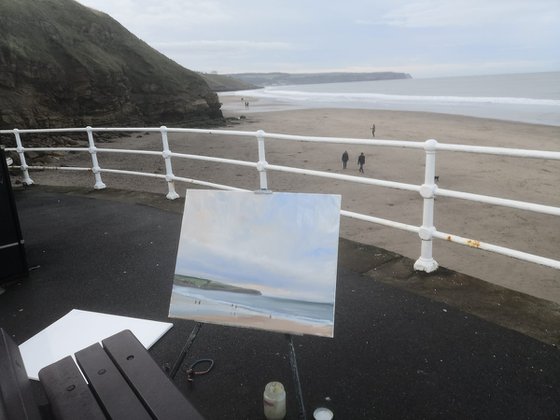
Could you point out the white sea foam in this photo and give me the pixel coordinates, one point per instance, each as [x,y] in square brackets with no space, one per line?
[532,98]
[334,97]
[258,304]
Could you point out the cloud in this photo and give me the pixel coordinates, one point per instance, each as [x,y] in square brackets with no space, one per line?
[209,46]
[162,19]
[285,242]
[189,11]
[412,36]
[465,13]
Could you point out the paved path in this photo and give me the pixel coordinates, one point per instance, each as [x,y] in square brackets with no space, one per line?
[406,345]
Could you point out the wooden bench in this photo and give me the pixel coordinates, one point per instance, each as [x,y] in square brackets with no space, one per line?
[124,383]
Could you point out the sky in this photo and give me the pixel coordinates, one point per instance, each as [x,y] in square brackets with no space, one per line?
[282,244]
[425,38]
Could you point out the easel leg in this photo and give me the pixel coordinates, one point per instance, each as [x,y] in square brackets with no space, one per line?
[185,350]
[295,374]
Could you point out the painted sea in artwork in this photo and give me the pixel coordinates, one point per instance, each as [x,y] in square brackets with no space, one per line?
[258,260]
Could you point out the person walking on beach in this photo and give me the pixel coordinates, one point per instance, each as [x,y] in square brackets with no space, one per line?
[373,130]
[344,159]
[361,161]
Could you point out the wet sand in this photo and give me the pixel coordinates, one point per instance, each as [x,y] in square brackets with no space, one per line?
[530,180]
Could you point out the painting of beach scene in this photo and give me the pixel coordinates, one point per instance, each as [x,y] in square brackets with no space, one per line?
[258,260]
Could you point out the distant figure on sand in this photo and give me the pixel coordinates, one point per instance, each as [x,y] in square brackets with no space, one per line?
[373,130]
[361,161]
[344,159]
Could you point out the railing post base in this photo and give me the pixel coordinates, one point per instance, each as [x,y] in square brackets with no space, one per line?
[172,195]
[99,186]
[427,265]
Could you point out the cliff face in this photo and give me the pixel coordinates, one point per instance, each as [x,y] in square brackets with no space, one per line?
[63,64]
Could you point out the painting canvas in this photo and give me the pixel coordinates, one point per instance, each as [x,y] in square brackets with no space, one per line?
[258,260]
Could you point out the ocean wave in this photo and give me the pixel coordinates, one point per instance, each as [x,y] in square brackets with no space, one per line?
[338,97]
[262,305]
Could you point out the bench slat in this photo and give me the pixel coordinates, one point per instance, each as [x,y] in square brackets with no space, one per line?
[108,385]
[68,392]
[16,395]
[153,387]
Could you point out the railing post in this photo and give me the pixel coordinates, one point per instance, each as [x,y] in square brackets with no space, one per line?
[99,185]
[426,262]
[21,152]
[261,164]
[172,194]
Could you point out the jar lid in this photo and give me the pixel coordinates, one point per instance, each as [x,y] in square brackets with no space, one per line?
[274,388]
[323,413]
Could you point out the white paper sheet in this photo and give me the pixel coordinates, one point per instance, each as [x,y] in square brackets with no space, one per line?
[79,329]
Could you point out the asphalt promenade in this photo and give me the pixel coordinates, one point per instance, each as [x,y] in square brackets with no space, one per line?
[407,345]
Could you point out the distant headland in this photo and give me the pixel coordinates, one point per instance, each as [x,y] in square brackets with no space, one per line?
[282,79]
[206,284]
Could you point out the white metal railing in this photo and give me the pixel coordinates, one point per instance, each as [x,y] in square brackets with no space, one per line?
[428,189]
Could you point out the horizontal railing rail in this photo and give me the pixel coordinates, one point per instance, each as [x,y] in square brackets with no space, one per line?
[427,189]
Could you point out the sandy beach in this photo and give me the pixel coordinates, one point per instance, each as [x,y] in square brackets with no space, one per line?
[201,310]
[520,179]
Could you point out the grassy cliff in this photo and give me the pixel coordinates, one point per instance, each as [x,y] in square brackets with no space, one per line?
[205,284]
[63,64]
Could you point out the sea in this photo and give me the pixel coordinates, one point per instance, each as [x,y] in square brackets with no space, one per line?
[529,97]
[215,302]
